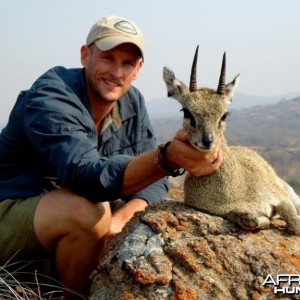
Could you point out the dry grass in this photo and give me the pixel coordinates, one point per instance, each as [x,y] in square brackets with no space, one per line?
[11,287]
[23,285]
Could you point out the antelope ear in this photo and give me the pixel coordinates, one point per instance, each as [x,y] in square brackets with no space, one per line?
[231,87]
[175,87]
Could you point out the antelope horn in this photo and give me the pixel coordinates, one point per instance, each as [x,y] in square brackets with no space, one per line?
[221,87]
[193,79]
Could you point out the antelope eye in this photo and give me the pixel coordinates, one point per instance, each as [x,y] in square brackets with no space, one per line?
[187,115]
[224,116]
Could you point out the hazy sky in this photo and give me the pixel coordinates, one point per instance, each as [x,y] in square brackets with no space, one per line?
[261,39]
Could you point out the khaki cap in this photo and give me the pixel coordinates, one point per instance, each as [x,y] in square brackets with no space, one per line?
[112,31]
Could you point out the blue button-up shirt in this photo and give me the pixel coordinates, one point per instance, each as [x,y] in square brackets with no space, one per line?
[51,140]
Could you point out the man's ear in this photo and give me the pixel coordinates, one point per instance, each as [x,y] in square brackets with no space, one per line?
[84,53]
[138,69]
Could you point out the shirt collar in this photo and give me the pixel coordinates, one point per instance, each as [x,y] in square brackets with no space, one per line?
[112,118]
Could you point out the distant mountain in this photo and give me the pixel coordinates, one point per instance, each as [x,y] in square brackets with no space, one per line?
[160,107]
[243,109]
[272,130]
[241,101]
[167,110]
[275,125]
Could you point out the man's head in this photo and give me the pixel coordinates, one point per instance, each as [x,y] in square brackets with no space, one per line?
[112,31]
[112,58]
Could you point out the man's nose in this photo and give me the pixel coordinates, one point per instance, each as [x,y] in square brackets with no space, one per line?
[117,70]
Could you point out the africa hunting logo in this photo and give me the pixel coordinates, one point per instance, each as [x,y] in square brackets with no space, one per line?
[126,27]
[285,284]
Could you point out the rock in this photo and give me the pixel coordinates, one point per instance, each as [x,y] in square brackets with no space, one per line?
[171,251]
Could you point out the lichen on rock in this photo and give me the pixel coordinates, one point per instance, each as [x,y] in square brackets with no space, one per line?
[171,251]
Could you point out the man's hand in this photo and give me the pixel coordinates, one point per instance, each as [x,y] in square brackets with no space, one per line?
[181,154]
[143,170]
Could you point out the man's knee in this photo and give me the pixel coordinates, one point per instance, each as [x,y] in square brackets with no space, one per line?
[61,212]
[95,218]
[87,215]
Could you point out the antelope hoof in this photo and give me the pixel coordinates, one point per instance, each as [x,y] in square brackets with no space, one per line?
[245,220]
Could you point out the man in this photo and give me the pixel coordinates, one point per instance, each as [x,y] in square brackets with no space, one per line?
[76,140]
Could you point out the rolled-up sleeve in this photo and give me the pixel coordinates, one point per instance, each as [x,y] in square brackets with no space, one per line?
[154,193]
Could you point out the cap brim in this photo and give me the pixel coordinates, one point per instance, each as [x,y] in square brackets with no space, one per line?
[111,42]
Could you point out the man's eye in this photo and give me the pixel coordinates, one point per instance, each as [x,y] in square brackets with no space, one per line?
[107,58]
[129,63]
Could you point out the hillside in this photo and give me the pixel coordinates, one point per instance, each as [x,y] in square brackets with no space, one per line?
[272,130]
[165,112]
[271,125]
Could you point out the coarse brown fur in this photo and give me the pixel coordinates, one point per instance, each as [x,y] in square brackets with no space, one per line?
[246,189]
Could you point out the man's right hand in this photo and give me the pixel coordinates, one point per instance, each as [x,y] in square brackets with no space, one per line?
[181,153]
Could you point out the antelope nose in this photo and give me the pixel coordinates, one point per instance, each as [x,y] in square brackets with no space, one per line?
[207,140]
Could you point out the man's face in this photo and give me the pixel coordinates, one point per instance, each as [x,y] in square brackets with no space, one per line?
[110,73]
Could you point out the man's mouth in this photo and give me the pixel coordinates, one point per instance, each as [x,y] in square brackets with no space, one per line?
[112,84]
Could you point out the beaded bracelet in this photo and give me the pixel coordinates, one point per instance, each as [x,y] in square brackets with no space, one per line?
[162,149]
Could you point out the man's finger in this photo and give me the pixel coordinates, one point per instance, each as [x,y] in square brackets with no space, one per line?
[218,161]
[181,135]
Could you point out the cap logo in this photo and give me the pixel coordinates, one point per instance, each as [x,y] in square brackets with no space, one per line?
[125,27]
